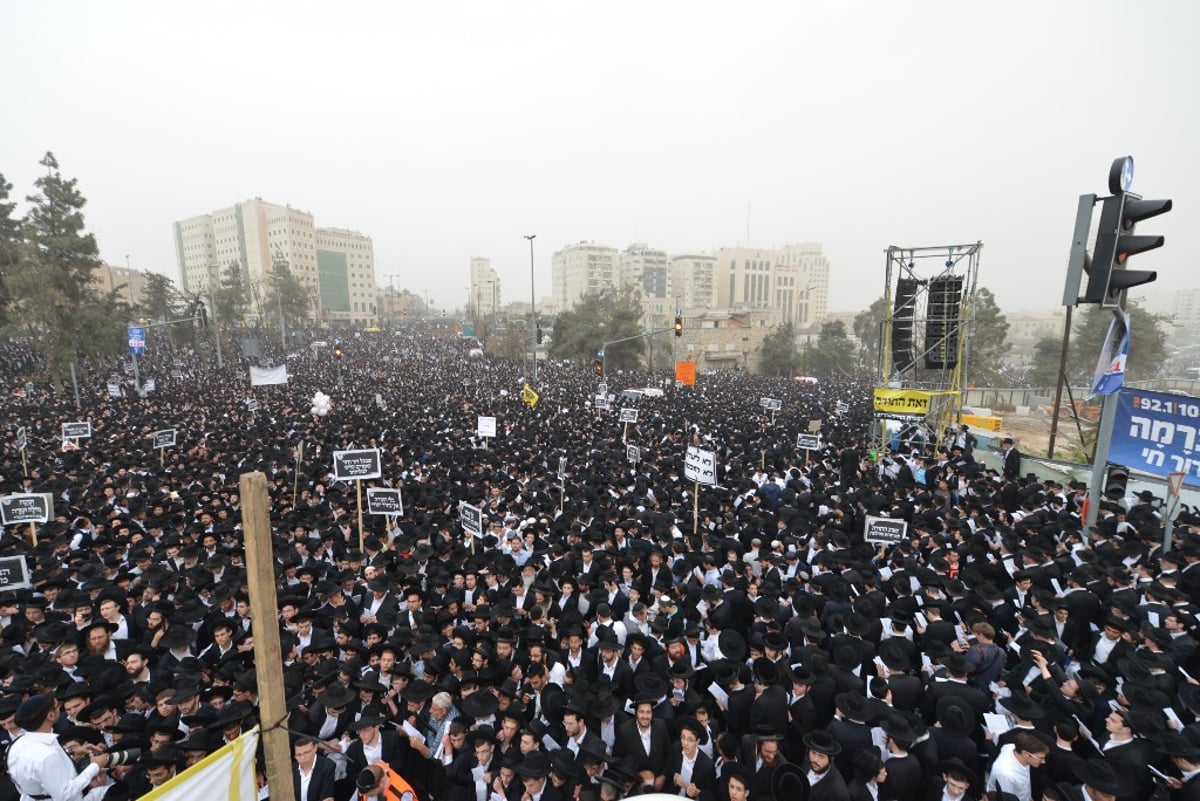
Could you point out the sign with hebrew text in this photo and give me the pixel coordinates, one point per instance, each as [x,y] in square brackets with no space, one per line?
[1157,433]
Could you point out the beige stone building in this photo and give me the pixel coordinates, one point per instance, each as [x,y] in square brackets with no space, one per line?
[579,269]
[725,340]
[792,282]
[485,288]
[255,234]
[346,277]
[127,282]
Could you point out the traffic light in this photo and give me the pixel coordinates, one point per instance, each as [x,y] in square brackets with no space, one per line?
[539,335]
[598,366]
[1107,275]
[337,351]
[678,326]
[1116,482]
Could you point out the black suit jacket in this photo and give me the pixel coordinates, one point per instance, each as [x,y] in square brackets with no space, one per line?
[629,743]
[704,772]
[321,786]
[831,788]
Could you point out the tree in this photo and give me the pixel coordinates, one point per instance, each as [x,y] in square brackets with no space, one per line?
[989,335]
[52,281]
[780,356]
[834,354]
[229,296]
[1147,349]
[596,318]
[289,295]
[867,327]
[160,298]
[1046,355]
[10,244]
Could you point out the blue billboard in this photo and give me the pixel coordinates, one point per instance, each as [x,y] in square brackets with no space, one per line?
[1157,433]
[137,340]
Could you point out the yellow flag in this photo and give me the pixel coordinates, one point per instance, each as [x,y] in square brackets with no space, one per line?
[530,396]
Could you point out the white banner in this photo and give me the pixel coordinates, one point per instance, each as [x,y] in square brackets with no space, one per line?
[260,376]
[226,773]
[700,465]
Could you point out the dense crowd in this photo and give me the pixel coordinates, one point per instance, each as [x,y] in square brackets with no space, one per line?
[616,630]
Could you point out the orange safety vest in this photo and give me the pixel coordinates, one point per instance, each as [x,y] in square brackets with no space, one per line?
[398,788]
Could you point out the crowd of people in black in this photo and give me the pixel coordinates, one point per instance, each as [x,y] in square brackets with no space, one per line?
[616,630]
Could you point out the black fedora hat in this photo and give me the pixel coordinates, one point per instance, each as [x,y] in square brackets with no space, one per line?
[822,742]
[650,687]
[563,763]
[1104,776]
[689,723]
[955,717]
[337,695]
[904,727]
[536,764]
[855,706]
[480,704]
[765,671]
[1022,706]
[231,714]
[732,645]
[418,691]
[956,767]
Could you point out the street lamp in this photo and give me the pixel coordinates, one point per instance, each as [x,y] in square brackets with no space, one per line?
[532,309]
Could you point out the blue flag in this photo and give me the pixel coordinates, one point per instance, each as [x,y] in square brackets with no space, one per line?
[1110,369]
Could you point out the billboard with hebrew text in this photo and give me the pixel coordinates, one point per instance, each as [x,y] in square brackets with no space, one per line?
[1157,433]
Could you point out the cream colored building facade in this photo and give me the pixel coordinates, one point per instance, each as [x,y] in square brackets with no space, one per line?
[692,281]
[579,269]
[719,340]
[346,276]
[791,282]
[485,288]
[254,234]
[125,281]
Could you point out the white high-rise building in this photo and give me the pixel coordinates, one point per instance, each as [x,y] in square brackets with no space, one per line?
[255,234]
[485,288]
[692,284]
[792,282]
[583,268]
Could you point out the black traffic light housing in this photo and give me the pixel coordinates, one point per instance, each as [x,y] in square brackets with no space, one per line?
[539,335]
[678,326]
[337,351]
[598,366]
[1107,275]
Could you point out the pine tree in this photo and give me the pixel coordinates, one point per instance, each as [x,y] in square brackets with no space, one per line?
[10,244]
[52,280]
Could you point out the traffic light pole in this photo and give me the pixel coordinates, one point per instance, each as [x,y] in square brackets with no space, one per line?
[643,335]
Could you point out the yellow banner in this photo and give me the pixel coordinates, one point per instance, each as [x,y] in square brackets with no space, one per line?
[905,401]
[530,395]
[984,422]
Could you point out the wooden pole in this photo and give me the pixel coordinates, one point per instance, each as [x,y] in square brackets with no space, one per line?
[296,479]
[358,492]
[696,512]
[260,574]
[33,533]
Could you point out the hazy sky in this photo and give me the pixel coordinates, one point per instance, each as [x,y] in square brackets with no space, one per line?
[449,130]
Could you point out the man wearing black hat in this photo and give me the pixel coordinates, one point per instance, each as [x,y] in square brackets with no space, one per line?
[645,738]
[824,781]
[689,770]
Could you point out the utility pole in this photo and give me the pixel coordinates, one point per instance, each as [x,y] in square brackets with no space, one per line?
[532,309]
